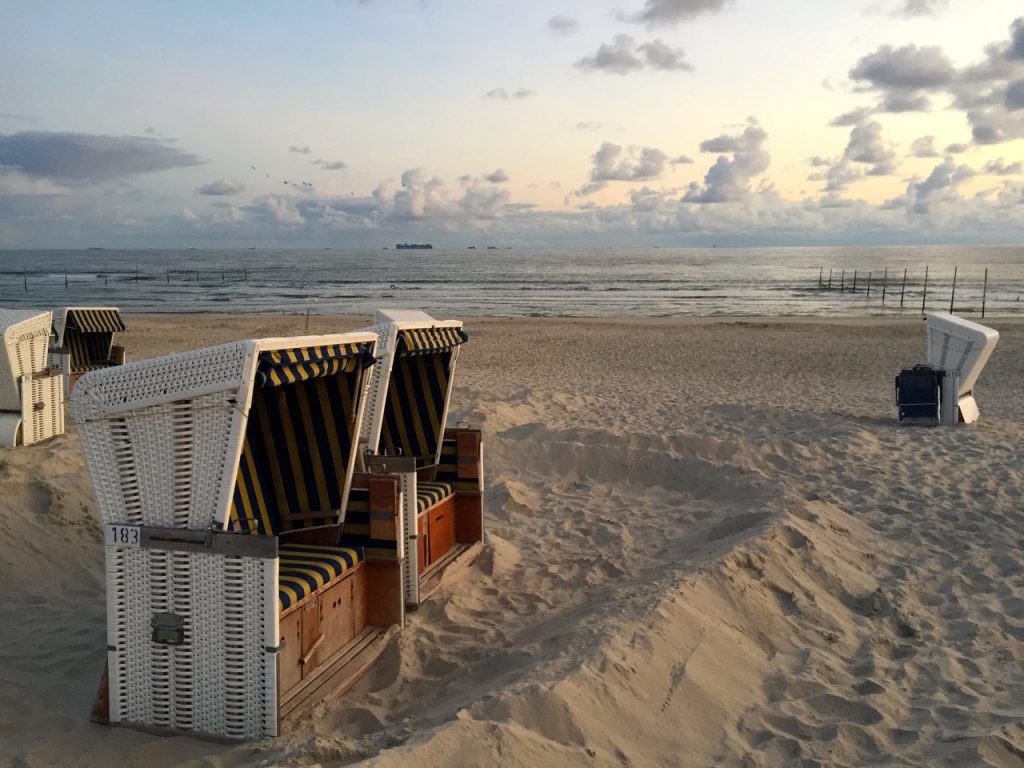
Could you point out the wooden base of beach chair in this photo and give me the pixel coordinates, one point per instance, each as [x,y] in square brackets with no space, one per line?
[458,557]
[100,712]
[336,674]
[319,627]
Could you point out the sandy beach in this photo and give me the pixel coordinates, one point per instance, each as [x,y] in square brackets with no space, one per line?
[709,543]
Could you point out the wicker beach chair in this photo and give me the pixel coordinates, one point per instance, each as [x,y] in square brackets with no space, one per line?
[31,394]
[961,348]
[222,478]
[84,341]
[439,470]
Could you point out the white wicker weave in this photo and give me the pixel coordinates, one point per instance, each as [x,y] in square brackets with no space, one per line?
[162,440]
[388,324]
[31,397]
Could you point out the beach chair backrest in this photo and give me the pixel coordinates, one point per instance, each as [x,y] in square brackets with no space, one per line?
[26,336]
[963,346]
[417,397]
[297,454]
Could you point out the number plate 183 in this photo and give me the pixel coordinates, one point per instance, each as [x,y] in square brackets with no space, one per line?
[123,535]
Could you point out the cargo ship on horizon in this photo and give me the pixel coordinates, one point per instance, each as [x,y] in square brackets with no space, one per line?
[414,246]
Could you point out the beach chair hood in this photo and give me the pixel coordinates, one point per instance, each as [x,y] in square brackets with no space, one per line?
[411,386]
[960,346]
[255,436]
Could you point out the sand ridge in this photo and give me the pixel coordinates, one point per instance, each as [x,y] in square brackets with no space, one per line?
[709,544]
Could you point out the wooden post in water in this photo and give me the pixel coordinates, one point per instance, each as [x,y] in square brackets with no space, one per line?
[903,290]
[855,281]
[869,286]
[952,295]
[24,276]
[885,281]
[307,319]
[65,279]
[924,294]
[842,282]
[136,273]
[984,290]
[821,271]
[168,277]
[830,279]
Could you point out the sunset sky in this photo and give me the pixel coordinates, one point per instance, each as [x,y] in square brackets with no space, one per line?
[359,123]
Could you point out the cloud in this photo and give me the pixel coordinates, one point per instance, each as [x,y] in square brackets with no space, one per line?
[903,76]
[329,165]
[940,187]
[563,25]
[612,162]
[853,117]
[221,187]
[18,118]
[662,56]
[681,160]
[866,146]
[672,12]
[622,56]
[957,149]
[300,150]
[1016,49]
[837,176]
[924,147]
[989,92]
[1014,98]
[728,179]
[497,177]
[502,95]
[587,126]
[1000,168]
[922,7]
[89,158]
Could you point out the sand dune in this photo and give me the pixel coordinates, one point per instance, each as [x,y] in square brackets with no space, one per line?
[709,544]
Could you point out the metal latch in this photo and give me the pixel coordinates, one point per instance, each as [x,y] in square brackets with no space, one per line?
[168,628]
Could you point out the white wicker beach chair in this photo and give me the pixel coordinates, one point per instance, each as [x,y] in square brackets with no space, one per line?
[84,341]
[440,469]
[961,348]
[31,395]
[222,476]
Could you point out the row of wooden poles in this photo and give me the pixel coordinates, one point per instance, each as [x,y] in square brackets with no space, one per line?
[826,285]
[182,274]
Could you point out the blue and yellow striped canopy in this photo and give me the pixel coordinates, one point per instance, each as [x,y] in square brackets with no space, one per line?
[429,341]
[289,366]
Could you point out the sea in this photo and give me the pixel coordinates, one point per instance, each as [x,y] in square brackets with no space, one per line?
[641,282]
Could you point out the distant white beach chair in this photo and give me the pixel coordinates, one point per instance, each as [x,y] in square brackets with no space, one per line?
[439,469]
[84,341]
[223,477]
[31,395]
[942,391]
[961,348]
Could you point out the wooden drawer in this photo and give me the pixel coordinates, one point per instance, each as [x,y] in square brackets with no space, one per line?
[441,529]
[337,622]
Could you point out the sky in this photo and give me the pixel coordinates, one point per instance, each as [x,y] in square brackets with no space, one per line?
[361,123]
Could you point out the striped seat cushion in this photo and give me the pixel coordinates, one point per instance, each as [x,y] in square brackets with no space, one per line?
[305,568]
[429,494]
[91,367]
